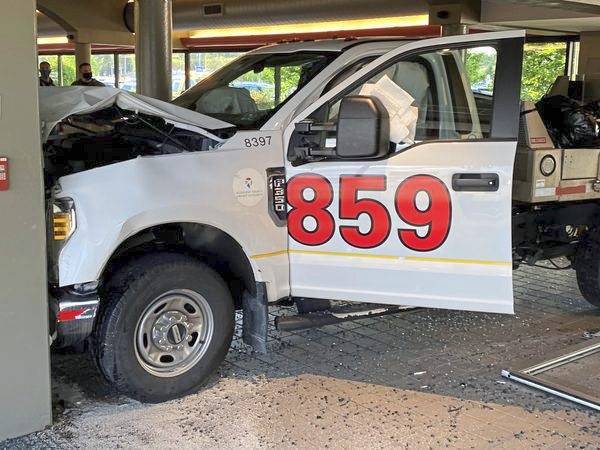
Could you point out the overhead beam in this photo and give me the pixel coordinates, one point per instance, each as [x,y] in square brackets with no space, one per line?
[88,21]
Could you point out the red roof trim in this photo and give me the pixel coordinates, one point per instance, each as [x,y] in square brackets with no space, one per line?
[53,49]
[250,42]
[244,43]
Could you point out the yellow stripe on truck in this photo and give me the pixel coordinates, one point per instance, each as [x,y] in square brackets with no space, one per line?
[480,262]
[378,256]
[269,255]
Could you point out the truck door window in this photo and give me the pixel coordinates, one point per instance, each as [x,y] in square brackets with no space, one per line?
[480,65]
[451,89]
[347,72]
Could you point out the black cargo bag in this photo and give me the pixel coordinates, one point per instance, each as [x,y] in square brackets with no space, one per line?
[570,125]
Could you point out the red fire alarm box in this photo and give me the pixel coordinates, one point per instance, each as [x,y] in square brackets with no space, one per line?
[3,173]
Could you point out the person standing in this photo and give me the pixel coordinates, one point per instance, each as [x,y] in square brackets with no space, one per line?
[86,77]
[45,71]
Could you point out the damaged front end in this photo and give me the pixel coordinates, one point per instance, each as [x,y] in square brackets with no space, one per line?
[88,129]
[84,142]
[84,128]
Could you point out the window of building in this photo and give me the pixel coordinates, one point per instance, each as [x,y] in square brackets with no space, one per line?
[69,71]
[178,74]
[53,61]
[127,79]
[103,68]
[203,64]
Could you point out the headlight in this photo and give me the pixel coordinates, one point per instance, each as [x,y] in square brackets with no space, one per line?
[63,219]
[547,165]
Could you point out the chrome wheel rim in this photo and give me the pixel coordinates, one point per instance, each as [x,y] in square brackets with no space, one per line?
[173,333]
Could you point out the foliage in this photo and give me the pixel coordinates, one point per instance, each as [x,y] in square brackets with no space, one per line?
[68,70]
[481,67]
[542,63]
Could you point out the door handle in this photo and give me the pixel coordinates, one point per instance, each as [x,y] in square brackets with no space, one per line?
[476,182]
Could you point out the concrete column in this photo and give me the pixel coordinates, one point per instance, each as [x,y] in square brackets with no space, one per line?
[154,47]
[455,29]
[25,367]
[454,15]
[83,53]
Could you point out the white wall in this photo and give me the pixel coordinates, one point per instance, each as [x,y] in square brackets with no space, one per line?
[24,367]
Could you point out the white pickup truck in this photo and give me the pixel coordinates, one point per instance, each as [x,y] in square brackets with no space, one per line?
[371,171]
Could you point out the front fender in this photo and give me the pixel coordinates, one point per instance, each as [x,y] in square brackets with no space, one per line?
[84,258]
[116,202]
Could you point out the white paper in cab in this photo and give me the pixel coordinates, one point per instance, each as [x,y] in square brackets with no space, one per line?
[398,102]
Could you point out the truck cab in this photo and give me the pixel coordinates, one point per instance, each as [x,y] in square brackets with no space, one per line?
[371,171]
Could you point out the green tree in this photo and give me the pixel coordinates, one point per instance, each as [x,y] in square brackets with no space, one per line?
[481,67]
[542,63]
[68,69]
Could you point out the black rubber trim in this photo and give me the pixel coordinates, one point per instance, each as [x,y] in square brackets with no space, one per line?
[415,145]
[507,88]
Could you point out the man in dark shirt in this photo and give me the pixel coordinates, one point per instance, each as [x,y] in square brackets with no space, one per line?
[45,71]
[85,77]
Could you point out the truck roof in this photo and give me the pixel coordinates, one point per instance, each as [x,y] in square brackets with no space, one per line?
[332,45]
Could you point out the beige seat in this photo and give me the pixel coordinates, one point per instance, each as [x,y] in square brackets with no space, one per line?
[412,77]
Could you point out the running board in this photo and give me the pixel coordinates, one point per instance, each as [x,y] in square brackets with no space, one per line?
[336,314]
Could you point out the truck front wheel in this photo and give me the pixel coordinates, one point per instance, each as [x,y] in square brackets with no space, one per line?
[166,325]
[587,267]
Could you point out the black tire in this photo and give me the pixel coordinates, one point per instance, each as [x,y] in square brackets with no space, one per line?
[128,294]
[587,267]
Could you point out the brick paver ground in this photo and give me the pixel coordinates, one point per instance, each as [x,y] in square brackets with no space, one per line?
[421,379]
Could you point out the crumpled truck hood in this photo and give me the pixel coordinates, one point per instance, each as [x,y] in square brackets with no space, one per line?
[57,103]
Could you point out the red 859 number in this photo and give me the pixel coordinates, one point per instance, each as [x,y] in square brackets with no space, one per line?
[436,216]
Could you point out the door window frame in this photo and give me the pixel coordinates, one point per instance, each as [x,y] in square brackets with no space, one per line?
[507,90]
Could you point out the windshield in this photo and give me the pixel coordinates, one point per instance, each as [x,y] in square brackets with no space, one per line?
[249,90]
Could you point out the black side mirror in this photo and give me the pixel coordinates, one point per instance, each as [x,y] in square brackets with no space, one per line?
[363,128]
